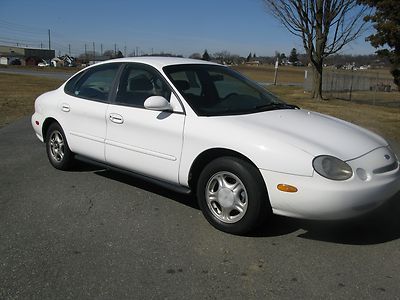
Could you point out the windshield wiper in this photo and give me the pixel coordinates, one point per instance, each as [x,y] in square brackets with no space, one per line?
[274,105]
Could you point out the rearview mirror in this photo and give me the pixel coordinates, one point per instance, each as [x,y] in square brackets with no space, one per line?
[158,103]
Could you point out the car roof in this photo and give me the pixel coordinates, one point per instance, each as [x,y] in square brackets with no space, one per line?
[158,61]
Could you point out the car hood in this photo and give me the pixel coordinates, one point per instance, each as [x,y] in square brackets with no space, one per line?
[312,132]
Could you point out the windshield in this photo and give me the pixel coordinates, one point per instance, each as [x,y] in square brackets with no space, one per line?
[213,90]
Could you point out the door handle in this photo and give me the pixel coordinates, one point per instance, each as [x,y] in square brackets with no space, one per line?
[116,118]
[65,107]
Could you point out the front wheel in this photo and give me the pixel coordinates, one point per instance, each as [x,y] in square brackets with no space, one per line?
[58,152]
[232,195]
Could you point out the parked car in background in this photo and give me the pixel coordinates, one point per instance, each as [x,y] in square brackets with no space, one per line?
[196,126]
[43,63]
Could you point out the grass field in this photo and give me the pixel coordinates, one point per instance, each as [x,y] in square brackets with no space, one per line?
[18,92]
[265,73]
[290,74]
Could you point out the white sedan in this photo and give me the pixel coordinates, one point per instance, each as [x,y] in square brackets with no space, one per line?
[202,127]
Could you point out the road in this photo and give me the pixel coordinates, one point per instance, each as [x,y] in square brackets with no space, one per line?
[54,74]
[92,233]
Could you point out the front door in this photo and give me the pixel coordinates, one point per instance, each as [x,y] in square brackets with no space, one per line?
[141,140]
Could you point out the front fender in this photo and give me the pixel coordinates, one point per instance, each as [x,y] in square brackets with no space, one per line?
[265,151]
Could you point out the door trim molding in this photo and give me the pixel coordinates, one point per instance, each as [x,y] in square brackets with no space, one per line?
[141,150]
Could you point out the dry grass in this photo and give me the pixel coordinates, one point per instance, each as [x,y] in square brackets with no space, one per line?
[265,73]
[391,99]
[18,93]
[291,74]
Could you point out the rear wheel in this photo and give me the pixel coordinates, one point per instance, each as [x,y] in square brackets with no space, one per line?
[232,195]
[58,152]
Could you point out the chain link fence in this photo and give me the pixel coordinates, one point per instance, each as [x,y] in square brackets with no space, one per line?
[374,87]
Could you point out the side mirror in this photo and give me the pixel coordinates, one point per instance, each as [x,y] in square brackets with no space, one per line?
[157,103]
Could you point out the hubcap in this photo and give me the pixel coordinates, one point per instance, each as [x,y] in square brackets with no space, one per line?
[56,143]
[226,197]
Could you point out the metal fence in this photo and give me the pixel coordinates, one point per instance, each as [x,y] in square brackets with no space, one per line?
[364,86]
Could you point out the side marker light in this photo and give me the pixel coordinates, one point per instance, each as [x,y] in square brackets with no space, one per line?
[287,188]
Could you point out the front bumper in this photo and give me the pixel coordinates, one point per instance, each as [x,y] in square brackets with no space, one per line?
[321,198]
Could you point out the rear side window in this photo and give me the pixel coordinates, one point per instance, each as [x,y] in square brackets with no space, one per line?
[95,84]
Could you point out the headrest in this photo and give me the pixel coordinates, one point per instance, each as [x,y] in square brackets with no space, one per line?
[140,84]
[182,85]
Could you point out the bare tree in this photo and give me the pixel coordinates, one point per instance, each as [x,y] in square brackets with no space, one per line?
[325,27]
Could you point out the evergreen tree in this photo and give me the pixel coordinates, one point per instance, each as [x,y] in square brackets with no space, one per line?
[293,56]
[119,54]
[386,20]
[248,57]
[282,58]
[206,56]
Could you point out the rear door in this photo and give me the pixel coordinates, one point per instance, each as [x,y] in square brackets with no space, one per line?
[83,110]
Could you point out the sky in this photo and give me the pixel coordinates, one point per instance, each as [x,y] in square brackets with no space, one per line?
[170,26]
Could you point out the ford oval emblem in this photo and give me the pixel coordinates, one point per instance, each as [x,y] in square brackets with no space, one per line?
[387,156]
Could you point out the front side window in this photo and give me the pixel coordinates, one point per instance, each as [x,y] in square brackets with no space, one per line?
[138,83]
[213,90]
[96,83]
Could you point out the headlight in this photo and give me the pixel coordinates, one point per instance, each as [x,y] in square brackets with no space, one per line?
[332,168]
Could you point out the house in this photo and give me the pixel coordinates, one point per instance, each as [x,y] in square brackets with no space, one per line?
[57,62]
[253,63]
[3,60]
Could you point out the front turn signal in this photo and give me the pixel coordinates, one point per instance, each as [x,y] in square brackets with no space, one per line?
[287,188]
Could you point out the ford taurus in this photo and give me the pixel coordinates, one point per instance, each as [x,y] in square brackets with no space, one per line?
[202,127]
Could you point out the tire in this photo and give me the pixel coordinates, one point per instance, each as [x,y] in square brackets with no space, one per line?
[58,152]
[232,195]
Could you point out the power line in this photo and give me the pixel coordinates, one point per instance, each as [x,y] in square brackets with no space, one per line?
[26,28]
[30,36]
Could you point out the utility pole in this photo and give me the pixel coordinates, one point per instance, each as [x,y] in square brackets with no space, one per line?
[85,54]
[137,51]
[101,49]
[49,40]
[94,53]
[41,45]
[125,51]
[69,49]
